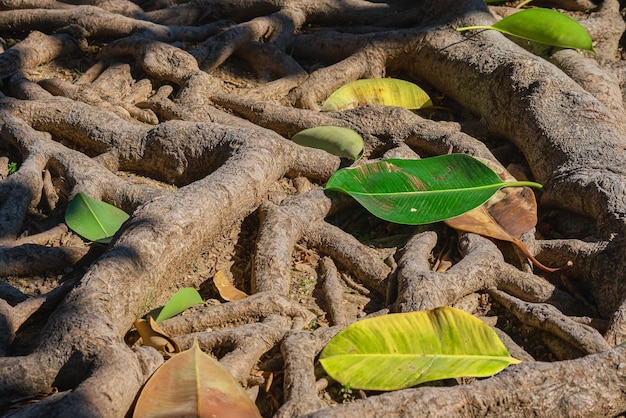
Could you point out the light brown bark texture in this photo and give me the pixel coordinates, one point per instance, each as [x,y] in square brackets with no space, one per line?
[180,113]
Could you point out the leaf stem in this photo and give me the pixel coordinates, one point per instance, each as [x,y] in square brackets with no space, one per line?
[522,4]
[523,184]
[472,27]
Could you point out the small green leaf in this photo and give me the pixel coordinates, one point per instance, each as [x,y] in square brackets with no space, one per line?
[545,26]
[397,351]
[92,219]
[420,191]
[12,167]
[336,140]
[385,91]
[180,301]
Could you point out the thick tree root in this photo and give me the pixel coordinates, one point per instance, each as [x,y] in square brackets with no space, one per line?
[183,120]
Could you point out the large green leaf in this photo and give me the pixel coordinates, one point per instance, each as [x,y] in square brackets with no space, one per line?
[180,301]
[92,219]
[385,91]
[397,351]
[545,26]
[420,191]
[336,140]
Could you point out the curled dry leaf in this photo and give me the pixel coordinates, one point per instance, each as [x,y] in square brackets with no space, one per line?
[506,216]
[152,335]
[443,262]
[194,384]
[227,291]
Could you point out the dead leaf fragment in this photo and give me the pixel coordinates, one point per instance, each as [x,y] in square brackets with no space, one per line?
[152,335]
[227,291]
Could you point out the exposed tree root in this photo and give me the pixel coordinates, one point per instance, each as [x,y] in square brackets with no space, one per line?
[521,390]
[182,119]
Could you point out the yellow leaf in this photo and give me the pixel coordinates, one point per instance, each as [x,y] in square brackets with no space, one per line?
[385,91]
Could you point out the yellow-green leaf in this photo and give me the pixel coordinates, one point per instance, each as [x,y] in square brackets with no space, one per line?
[194,384]
[545,26]
[92,219]
[336,140]
[397,351]
[385,91]
[180,301]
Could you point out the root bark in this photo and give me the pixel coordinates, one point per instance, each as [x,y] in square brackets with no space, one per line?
[183,120]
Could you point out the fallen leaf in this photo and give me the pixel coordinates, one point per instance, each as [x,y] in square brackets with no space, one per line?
[506,216]
[180,301]
[152,335]
[416,192]
[545,26]
[336,140]
[92,219]
[385,91]
[227,291]
[194,384]
[401,350]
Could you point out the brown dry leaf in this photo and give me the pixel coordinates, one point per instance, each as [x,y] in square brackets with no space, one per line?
[443,263]
[506,216]
[193,383]
[152,335]
[227,291]
[445,259]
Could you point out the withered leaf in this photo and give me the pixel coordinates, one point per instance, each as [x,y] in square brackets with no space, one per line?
[227,291]
[506,216]
[193,383]
[152,335]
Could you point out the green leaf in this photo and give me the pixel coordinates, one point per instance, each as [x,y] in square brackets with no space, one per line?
[385,91]
[180,301]
[335,140]
[397,351]
[545,26]
[422,191]
[92,219]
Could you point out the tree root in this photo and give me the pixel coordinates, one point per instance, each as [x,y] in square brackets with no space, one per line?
[521,390]
[183,121]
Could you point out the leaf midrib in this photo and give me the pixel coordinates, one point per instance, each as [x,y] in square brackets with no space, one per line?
[95,216]
[442,191]
[450,356]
